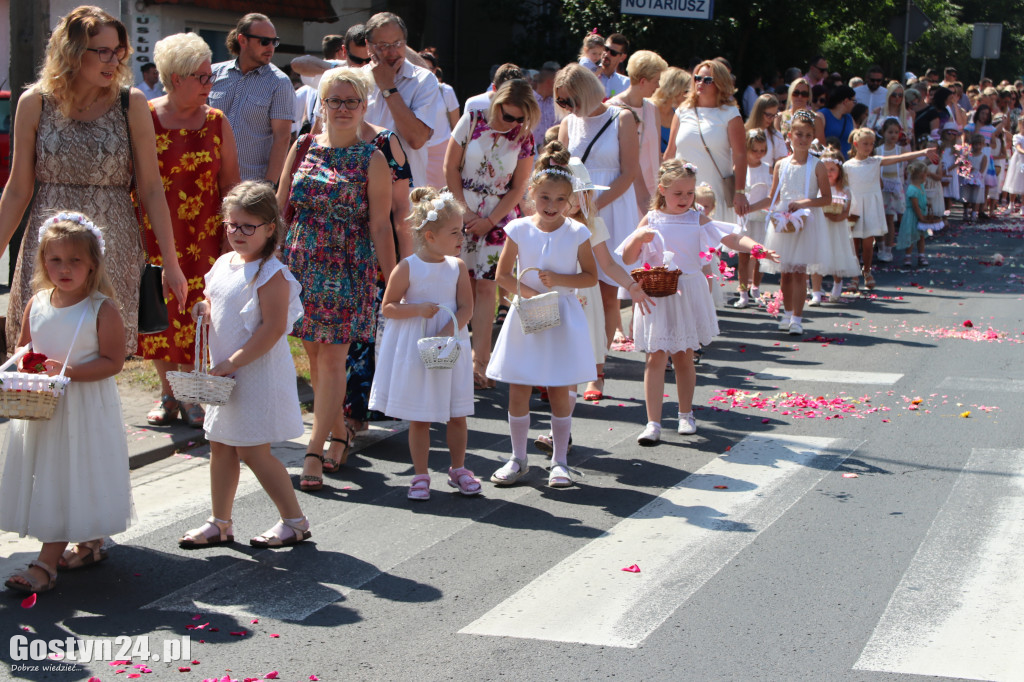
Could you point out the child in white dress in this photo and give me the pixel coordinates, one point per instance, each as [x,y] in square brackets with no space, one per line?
[972,190]
[893,189]
[933,178]
[950,160]
[799,189]
[1014,183]
[66,479]
[403,387]
[840,257]
[679,324]
[704,201]
[759,179]
[251,302]
[557,357]
[867,208]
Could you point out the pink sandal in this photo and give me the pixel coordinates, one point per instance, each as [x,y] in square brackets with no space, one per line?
[463,479]
[420,488]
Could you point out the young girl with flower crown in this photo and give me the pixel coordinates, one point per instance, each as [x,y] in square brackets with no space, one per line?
[839,256]
[759,178]
[558,357]
[251,301]
[427,281]
[676,235]
[65,479]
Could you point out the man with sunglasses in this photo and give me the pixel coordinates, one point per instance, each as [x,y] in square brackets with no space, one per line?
[405,98]
[817,70]
[616,50]
[348,50]
[257,98]
[872,94]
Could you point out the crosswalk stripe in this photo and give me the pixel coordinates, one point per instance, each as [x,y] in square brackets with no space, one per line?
[980,384]
[832,376]
[679,541]
[959,609]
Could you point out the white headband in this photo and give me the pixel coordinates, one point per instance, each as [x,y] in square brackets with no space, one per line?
[78,219]
[439,203]
[830,160]
[554,171]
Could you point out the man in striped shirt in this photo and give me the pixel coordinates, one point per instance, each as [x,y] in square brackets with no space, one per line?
[257,98]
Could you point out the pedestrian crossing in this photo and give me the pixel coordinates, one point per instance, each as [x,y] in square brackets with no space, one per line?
[832,376]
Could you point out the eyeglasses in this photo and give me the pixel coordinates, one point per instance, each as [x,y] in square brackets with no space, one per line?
[245,228]
[264,41]
[106,55]
[203,78]
[565,102]
[801,93]
[384,47]
[874,80]
[897,95]
[356,60]
[704,80]
[335,103]
[770,116]
[509,118]
[822,68]
[612,51]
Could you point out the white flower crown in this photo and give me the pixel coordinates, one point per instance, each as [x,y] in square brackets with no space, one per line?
[77,218]
[438,204]
[554,171]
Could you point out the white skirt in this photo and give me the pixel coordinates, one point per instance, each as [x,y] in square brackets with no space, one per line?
[951,190]
[686,320]
[840,260]
[1014,182]
[797,250]
[870,210]
[755,229]
[621,217]
[594,312]
[559,356]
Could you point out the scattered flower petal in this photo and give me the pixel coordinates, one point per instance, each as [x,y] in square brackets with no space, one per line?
[272,675]
[721,487]
[29,601]
[632,569]
[851,475]
[274,636]
[966,414]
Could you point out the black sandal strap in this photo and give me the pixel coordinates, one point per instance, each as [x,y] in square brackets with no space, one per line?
[315,456]
[346,441]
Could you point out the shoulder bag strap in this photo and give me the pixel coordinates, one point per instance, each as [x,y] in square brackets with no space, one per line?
[300,152]
[586,153]
[134,186]
[775,195]
[710,155]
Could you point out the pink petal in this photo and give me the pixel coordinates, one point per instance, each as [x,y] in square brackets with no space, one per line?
[29,601]
[183,669]
[134,675]
[721,487]
[195,662]
[314,678]
[850,476]
[254,621]
[197,616]
[272,675]
[240,633]
[632,569]
[119,663]
[275,636]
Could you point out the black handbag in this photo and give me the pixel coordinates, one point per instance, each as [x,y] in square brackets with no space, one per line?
[152,306]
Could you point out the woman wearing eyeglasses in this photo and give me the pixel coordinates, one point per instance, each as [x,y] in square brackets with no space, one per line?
[340,232]
[799,97]
[895,107]
[762,117]
[71,139]
[198,165]
[487,165]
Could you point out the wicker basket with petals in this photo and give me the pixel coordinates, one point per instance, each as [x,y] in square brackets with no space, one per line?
[199,386]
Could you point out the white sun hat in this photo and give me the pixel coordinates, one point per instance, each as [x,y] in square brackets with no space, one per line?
[581,177]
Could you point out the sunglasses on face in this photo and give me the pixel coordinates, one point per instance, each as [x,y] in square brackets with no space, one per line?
[612,51]
[245,228]
[704,80]
[565,102]
[264,41]
[357,61]
[203,78]
[107,55]
[897,95]
[801,93]
[335,103]
[508,118]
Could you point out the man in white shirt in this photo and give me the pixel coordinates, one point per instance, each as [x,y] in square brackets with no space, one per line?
[752,92]
[616,50]
[872,94]
[150,85]
[406,98]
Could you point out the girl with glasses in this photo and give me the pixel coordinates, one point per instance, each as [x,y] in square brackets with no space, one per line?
[195,149]
[487,167]
[71,140]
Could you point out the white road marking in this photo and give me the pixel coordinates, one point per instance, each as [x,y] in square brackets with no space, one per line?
[679,540]
[959,609]
[831,376]
[980,384]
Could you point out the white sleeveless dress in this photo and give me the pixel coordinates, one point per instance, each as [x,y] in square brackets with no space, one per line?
[714,124]
[559,356]
[864,179]
[402,386]
[264,404]
[796,250]
[66,478]
[622,215]
[759,182]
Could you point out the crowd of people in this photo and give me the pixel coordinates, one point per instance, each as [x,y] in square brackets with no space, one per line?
[352,206]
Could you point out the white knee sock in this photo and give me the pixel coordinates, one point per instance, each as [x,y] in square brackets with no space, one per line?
[519,429]
[561,429]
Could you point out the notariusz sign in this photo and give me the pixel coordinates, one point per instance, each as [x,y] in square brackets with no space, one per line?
[681,9]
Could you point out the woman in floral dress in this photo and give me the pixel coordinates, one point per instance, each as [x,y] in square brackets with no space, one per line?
[487,166]
[341,230]
[198,165]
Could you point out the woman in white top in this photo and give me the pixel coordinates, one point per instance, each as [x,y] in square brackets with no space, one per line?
[707,131]
[644,69]
[605,139]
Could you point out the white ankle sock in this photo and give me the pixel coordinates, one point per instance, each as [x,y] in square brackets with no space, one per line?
[561,429]
[796,319]
[837,288]
[519,429]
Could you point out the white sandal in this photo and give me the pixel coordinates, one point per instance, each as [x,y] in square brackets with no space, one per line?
[559,477]
[510,473]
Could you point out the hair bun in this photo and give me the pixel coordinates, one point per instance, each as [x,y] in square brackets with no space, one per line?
[553,154]
[422,194]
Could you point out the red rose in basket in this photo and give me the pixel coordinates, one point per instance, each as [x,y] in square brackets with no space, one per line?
[34,363]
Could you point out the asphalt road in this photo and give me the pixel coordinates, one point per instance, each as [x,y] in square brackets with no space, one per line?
[821,525]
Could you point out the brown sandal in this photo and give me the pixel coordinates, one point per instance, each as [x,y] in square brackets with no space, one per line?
[275,537]
[73,559]
[33,584]
[869,279]
[163,414]
[213,532]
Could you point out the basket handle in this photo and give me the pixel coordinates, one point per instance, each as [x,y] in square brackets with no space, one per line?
[519,281]
[455,322]
[202,365]
[12,361]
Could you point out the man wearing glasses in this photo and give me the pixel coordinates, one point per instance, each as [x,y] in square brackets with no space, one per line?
[406,98]
[257,98]
[616,49]
[817,71]
[872,94]
[351,50]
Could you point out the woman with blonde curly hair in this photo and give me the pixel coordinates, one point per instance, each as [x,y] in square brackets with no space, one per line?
[198,165]
[71,137]
[673,86]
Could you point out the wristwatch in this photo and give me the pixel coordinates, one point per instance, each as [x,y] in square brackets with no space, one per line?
[390,91]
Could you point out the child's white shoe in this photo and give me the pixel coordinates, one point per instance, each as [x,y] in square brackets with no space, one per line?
[784,321]
[687,424]
[650,435]
[511,472]
[743,301]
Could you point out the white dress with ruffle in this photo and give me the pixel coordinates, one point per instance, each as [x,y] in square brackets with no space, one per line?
[799,249]
[864,179]
[264,403]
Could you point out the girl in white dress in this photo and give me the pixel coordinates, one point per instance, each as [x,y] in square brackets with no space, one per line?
[558,357]
[1014,183]
[800,186]
[251,302]
[759,178]
[840,257]
[867,209]
[402,385]
[65,479]
[894,195]
[678,324]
